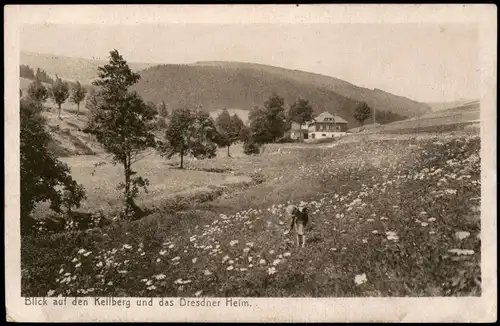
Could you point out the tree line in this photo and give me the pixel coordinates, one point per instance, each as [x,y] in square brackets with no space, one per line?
[59,91]
[127,127]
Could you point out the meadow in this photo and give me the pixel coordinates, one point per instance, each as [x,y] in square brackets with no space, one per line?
[391,216]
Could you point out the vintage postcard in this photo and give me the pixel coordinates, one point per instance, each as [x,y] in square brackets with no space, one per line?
[272,163]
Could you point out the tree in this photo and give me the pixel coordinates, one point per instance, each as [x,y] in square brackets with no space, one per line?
[43,177]
[78,95]
[162,115]
[275,115]
[250,146]
[37,92]
[25,71]
[190,132]
[122,123]
[229,128]
[362,113]
[300,112]
[59,93]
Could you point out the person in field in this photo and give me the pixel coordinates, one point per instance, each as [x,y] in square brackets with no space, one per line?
[299,218]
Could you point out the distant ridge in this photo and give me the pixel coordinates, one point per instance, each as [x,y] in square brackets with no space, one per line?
[237,85]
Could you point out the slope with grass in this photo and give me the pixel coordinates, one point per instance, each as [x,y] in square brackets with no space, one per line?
[69,68]
[388,218]
[464,117]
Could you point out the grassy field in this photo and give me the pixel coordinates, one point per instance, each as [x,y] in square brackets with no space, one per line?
[390,217]
[440,121]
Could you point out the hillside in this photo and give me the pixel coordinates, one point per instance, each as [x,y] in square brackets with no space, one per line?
[69,68]
[240,86]
[235,86]
[439,106]
[375,98]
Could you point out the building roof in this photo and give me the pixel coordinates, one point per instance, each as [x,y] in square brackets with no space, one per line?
[328,117]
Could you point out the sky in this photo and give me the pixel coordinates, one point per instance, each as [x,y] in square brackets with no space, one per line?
[425,62]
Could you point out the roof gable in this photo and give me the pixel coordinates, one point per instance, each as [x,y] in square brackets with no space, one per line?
[328,117]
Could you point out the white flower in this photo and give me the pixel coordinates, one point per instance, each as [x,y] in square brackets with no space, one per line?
[271,270]
[50,293]
[207,272]
[158,260]
[229,268]
[432,219]
[233,242]
[160,276]
[424,224]
[194,260]
[271,252]
[375,232]
[197,294]
[262,261]
[276,262]
[126,246]
[78,265]
[365,241]
[171,246]
[461,251]
[110,283]
[81,251]
[176,258]
[286,254]
[360,279]
[162,252]
[152,287]
[246,250]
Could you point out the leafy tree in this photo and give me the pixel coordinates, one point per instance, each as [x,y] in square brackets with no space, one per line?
[275,114]
[42,76]
[269,123]
[362,113]
[229,128]
[37,92]
[162,115]
[78,95]
[300,112]
[43,177]
[59,93]
[25,71]
[190,132]
[122,123]
[250,146]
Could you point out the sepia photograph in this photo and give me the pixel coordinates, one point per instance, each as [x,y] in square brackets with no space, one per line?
[165,164]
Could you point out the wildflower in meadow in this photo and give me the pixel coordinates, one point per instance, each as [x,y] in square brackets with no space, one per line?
[160,276]
[391,235]
[198,293]
[424,224]
[271,270]
[461,251]
[176,258]
[126,246]
[276,262]
[375,232]
[432,219]
[286,254]
[262,261]
[460,235]
[194,260]
[360,279]
[207,272]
